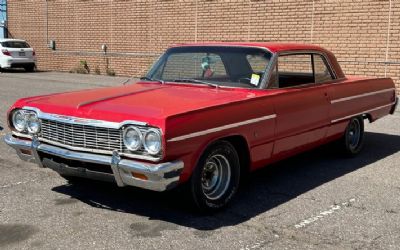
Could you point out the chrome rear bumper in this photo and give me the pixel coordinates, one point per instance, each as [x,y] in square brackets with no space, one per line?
[394,106]
[159,177]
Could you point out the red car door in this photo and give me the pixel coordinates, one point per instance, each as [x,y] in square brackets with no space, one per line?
[302,118]
[302,107]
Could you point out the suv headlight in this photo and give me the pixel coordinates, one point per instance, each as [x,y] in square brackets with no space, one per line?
[152,141]
[132,138]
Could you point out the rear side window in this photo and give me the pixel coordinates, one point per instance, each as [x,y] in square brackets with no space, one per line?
[322,72]
[15,44]
[293,70]
[299,69]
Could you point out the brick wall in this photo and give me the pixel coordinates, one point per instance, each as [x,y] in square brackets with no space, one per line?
[364,34]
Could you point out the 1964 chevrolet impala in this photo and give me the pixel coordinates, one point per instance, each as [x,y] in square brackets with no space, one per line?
[204,115]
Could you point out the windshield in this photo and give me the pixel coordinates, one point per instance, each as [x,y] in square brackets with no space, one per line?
[242,67]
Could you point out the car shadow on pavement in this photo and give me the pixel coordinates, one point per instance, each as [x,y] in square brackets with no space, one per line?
[266,189]
[17,70]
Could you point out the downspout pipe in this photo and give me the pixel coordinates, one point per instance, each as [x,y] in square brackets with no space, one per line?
[47,23]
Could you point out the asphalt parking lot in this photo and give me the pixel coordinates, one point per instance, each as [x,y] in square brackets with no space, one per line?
[317,200]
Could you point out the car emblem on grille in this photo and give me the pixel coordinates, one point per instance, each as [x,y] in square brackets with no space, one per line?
[71,119]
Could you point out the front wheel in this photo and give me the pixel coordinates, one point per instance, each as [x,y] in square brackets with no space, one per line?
[216,178]
[353,138]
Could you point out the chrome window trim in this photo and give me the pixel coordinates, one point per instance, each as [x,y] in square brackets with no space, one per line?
[221,128]
[83,121]
[274,61]
[364,112]
[361,95]
[266,71]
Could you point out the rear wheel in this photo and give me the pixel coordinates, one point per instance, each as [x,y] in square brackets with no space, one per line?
[353,139]
[216,178]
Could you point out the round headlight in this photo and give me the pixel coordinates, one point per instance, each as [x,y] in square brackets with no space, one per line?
[132,138]
[152,141]
[18,120]
[33,123]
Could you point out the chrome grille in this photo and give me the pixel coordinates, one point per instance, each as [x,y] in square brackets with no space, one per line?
[82,136]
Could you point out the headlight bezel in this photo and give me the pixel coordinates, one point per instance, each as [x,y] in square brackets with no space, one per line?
[137,130]
[30,118]
[147,147]
[14,123]
[27,117]
[144,148]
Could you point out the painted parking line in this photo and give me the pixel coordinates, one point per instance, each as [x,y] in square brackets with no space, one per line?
[17,183]
[330,211]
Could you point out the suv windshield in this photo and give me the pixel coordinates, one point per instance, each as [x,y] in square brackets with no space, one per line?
[242,67]
[15,44]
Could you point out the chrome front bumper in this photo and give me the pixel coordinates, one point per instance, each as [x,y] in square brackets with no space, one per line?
[160,176]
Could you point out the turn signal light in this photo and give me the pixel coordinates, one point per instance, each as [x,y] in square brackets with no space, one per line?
[26,152]
[139,176]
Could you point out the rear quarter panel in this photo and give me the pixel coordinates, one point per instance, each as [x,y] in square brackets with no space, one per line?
[359,95]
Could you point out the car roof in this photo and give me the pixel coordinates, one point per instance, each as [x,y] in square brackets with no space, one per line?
[274,47]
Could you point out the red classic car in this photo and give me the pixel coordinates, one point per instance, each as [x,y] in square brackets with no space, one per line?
[204,115]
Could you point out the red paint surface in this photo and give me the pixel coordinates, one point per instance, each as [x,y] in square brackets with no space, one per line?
[303,121]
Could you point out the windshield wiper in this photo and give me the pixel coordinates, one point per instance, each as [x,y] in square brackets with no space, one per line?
[196,81]
[145,78]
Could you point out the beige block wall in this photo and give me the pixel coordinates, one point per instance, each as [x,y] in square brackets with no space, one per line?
[363,34]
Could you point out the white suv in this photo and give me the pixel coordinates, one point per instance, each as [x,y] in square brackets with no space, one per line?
[15,53]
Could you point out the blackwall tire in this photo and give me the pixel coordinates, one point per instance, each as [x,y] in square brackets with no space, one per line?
[353,139]
[216,177]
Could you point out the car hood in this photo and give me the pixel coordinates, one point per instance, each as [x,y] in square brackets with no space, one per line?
[145,102]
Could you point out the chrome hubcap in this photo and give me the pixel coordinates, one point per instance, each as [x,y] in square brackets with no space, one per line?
[215,177]
[354,133]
